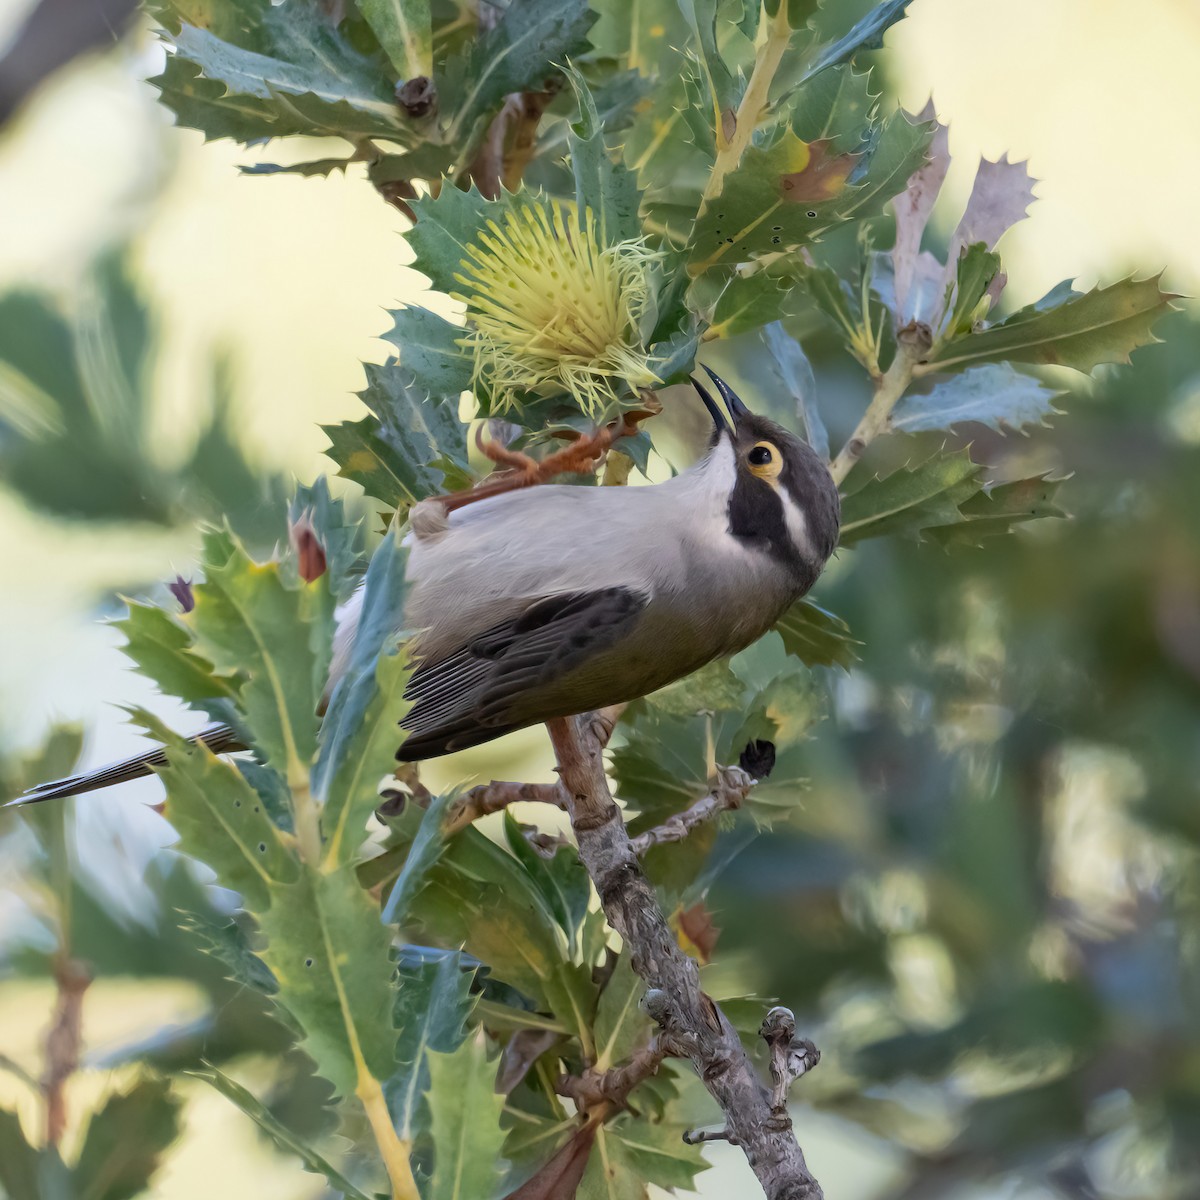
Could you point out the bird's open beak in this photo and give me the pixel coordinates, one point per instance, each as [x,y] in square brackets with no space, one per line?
[737,410]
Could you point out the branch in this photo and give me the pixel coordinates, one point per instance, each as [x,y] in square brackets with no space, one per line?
[693,1022]
[612,1087]
[913,342]
[492,797]
[729,792]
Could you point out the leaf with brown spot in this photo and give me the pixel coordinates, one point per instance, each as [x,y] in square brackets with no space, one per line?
[822,178]
[697,931]
[559,1178]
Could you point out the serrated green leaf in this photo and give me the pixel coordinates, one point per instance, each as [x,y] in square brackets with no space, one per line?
[446,225]
[866,34]
[657,1153]
[248,618]
[748,302]
[713,688]
[519,53]
[220,819]
[381,471]
[833,295]
[341,536]
[430,353]
[426,848]
[464,1122]
[993,395]
[433,1007]
[162,648]
[610,1173]
[228,942]
[796,374]
[125,1139]
[817,637]
[621,1024]
[719,84]
[315,168]
[287,1141]
[997,510]
[405,31]
[280,72]
[603,184]
[644,35]
[911,499]
[835,104]
[561,879]
[1080,331]
[329,953]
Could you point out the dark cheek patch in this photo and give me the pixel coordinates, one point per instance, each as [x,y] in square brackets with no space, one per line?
[756,516]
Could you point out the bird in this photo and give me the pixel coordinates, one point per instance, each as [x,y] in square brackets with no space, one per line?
[556,600]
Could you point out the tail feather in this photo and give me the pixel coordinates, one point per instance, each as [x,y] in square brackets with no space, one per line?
[220,739]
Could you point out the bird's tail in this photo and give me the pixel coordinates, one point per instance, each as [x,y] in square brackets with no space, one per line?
[218,738]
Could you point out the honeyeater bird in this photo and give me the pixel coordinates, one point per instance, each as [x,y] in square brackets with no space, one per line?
[555,600]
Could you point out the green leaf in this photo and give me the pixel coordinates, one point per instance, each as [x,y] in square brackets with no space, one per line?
[603,184]
[426,849]
[561,880]
[124,1141]
[274,72]
[1081,331]
[911,499]
[446,225]
[796,374]
[341,537]
[721,88]
[383,472]
[248,618]
[996,510]
[518,54]
[975,270]
[713,688]
[464,1122]
[645,36]
[817,637]
[287,1141]
[18,1159]
[748,302]
[430,353]
[433,1007]
[621,1023]
[836,104]
[162,649]
[405,31]
[329,953]
[228,942]
[220,820]
[993,395]
[866,34]
[657,1153]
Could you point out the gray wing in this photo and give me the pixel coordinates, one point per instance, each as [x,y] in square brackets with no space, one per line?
[515,673]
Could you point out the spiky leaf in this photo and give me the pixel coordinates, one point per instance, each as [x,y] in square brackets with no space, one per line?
[993,394]
[817,637]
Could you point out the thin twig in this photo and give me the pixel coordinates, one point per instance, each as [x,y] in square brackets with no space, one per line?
[491,797]
[613,1086]
[729,792]
[692,1020]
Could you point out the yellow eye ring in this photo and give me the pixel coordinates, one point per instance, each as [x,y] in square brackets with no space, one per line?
[765,461]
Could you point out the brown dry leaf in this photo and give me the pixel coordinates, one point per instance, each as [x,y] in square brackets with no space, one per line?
[913,207]
[559,1178]
[696,931]
[1002,192]
[822,178]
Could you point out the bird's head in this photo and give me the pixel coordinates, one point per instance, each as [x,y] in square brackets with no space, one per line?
[783,500]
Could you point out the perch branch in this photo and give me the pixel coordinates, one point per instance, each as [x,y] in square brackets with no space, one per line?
[612,1087]
[690,1018]
[729,792]
[491,797]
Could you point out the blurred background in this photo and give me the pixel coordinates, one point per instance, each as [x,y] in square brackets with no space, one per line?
[987,906]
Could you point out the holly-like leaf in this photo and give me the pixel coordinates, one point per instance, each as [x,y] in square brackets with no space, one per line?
[273,72]
[519,53]
[621,1023]
[995,511]
[247,618]
[162,649]
[561,879]
[464,1122]
[713,688]
[220,819]
[796,374]
[974,273]
[405,31]
[433,1009]
[867,34]
[124,1142]
[329,953]
[913,208]
[994,394]
[430,353]
[719,85]
[426,848]
[910,499]
[748,302]
[1079,331]
[404,455]
[816,637]
[285,1140]
[835,105]
[1000,196]
[602,184]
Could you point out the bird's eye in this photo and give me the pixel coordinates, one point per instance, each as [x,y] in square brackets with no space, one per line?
[765,461]
[760,455]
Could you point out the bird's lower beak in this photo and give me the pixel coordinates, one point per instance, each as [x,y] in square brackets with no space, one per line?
[737,410]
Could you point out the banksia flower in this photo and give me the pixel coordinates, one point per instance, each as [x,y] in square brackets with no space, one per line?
[550,309]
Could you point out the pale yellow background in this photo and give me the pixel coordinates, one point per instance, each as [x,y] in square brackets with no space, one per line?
[293,276]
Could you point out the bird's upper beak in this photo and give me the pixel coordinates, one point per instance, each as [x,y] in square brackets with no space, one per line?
[733,402]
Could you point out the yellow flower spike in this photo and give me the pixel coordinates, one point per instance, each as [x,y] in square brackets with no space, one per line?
[550,310]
